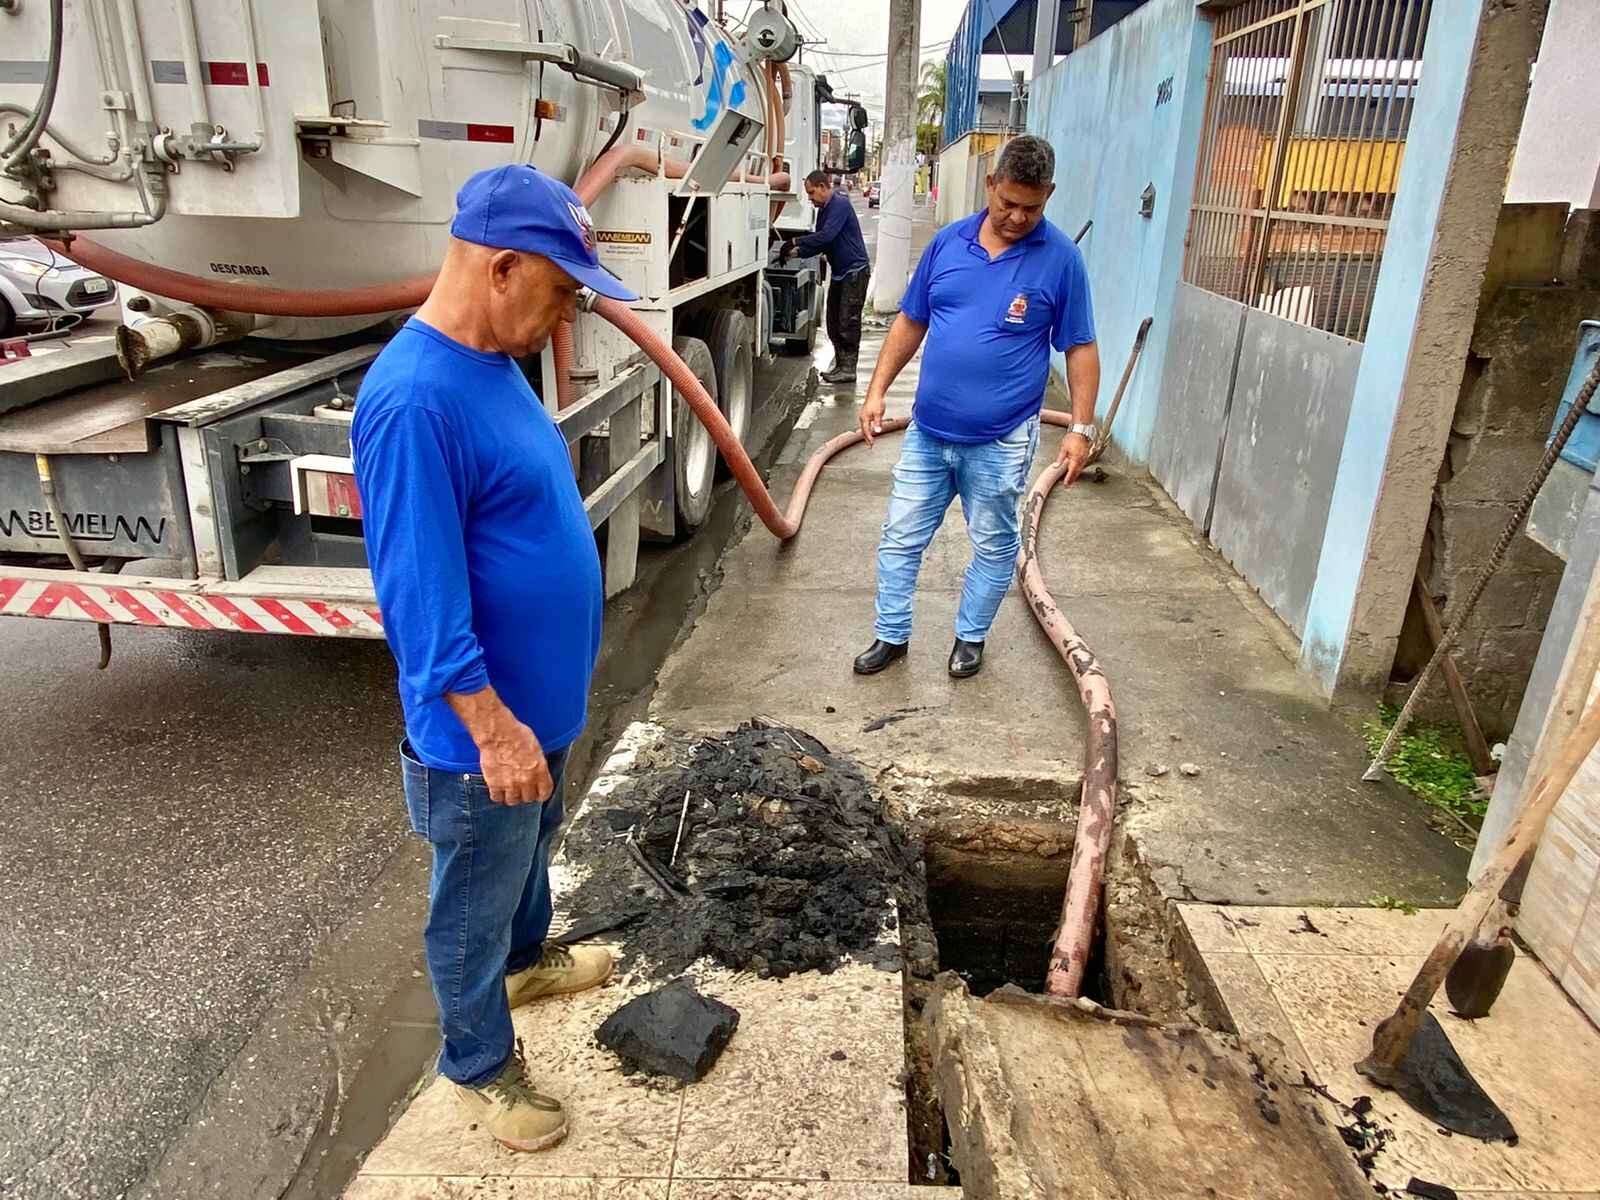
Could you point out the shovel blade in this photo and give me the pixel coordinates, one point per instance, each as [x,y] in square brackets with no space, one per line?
[1433,1080]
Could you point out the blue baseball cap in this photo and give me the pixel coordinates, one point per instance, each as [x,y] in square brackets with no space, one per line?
[516,207]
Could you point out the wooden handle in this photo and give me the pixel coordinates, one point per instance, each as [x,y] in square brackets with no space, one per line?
[1393,1036]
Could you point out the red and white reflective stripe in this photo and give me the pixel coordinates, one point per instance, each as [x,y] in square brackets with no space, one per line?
[188,610]
[465,131]
[218,74]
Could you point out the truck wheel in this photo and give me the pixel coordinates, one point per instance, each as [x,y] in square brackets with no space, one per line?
[727,334]
[694,455]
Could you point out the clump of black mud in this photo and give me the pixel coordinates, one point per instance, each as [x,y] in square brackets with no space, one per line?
[764,851]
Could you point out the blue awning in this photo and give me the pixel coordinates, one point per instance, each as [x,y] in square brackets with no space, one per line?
[1006,26]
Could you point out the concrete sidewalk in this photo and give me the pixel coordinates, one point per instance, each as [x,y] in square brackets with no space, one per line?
[1202,673]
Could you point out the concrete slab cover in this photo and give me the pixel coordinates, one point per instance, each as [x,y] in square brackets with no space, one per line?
[1195,381]
[1046,1098]
[1291,403]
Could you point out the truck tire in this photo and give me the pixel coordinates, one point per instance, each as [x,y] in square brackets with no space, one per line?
[694,455]
[727,334]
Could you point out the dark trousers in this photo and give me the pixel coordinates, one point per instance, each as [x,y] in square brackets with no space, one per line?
[846,298]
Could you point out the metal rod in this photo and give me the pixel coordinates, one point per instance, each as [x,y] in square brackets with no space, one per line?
[252,70]
[193,65]
[678,841]
[133,45]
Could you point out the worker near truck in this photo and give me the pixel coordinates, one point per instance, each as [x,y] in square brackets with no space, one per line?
[489,585]
[838,235]
[992,295]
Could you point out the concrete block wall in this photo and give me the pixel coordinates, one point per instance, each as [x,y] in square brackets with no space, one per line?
[1522,348]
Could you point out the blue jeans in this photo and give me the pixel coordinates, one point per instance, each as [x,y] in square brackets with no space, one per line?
[990,478]
[488,905]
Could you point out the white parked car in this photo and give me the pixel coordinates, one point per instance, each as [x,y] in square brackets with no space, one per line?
[42,291]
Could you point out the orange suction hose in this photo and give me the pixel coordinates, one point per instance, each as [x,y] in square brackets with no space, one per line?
[1097,805]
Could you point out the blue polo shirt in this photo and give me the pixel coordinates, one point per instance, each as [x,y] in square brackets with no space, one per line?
[481,554]
[991,325]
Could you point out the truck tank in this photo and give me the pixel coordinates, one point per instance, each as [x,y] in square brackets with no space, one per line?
[339,149]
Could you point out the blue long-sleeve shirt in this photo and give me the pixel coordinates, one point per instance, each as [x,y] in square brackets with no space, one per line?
[838,235]
[481,553]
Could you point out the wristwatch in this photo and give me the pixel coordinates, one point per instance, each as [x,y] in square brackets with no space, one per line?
[1089,431]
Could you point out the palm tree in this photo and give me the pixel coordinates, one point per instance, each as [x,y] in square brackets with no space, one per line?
[930,93]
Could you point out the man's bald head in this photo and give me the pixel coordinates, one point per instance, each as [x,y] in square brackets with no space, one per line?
[512,299]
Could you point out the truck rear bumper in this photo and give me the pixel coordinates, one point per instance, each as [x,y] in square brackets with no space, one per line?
[302,602]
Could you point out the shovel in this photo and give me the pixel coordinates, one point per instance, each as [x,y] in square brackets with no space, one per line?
[1411,1054]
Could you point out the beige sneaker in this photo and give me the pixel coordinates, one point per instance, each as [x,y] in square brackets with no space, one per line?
[518,1117]
[560,970]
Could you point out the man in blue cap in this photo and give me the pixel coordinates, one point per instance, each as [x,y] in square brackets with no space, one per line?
[489,584]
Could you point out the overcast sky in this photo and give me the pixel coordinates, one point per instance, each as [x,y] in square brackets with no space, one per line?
[861,27]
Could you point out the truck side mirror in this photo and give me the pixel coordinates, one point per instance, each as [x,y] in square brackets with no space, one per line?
[856,155]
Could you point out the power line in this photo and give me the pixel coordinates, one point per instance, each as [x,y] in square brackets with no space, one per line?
[877,54]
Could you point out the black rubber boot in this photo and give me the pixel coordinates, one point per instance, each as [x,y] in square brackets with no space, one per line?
[878,656]
[966,659]
[842,371]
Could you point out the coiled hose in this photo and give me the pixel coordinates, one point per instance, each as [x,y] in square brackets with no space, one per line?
[1097,808]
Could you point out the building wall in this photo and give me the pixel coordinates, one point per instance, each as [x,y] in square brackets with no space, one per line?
[1123,113]
[1423,308]
[1558,154]
[1560,916]
[961,178]
[1523,341]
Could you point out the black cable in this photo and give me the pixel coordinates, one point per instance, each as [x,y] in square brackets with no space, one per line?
[622,123]
[25,140]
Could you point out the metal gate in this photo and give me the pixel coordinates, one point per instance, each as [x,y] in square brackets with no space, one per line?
[1307,110]
[1305,128]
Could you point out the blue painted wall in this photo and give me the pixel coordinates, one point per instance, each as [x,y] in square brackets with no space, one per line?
[1451,37]
[1124,111]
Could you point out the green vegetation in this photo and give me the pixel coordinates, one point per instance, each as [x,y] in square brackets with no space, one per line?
[931,93]
[1430,762]
[1393,905]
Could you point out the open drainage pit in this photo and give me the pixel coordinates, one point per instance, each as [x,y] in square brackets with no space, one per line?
[994,892]
[766,853]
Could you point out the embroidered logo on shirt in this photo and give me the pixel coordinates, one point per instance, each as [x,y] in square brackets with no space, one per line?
[1018,310]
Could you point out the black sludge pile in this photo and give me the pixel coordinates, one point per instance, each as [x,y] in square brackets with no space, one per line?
[784,862]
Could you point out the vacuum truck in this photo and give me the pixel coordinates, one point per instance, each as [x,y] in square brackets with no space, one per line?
[271,186]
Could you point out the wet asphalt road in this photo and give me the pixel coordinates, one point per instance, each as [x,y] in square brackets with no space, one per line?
[178,831]
[182,837]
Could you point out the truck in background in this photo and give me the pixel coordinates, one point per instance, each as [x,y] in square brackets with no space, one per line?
[273,196]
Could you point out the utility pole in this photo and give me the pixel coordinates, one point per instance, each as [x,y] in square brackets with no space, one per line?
[1044,36]
[1015,121]
[899,156]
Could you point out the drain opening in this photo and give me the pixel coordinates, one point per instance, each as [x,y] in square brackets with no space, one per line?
[993,901]
[994,917]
